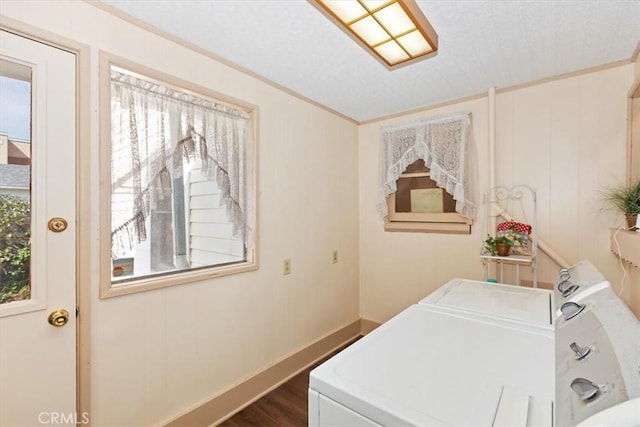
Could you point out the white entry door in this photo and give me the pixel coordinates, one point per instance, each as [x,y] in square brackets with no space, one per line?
[38,251]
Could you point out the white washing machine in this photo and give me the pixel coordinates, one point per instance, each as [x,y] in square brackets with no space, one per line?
[427,367]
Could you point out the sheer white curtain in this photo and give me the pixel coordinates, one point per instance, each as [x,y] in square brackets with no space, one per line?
[153,128]
[222,143]
[447,148]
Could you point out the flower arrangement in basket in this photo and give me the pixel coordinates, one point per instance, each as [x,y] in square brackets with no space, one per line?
[511,238]
[518,233]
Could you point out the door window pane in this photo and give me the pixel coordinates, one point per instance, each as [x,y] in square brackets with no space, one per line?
[15,178]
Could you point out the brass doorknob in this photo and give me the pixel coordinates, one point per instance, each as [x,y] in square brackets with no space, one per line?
[59,318]
[57,224]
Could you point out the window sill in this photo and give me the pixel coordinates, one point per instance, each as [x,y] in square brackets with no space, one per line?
[428,227]
[412,222]
[151,283]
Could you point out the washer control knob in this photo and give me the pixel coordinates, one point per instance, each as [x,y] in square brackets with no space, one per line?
[571,309]
[581,352]
[570,290]
[564,274]
[564,285]
[584,388]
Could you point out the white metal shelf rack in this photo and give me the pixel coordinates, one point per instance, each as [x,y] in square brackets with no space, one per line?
[500,203]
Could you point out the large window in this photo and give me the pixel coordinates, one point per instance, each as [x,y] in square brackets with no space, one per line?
[182,196]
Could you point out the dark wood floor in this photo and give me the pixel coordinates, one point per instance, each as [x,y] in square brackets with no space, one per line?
[285,406]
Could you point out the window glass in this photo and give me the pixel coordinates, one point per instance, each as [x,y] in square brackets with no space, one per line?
[15,182]
[180,197]
[418,193]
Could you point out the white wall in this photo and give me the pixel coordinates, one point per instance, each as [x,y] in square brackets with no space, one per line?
[157,353]
[566,138]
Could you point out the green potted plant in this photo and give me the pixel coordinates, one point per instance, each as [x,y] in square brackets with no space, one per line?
[626,199]
[501,245]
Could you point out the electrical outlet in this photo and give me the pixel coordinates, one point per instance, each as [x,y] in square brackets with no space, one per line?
[334,257]
[286,266]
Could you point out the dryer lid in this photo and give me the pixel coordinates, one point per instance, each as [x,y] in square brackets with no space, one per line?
[426,367]
[495,300]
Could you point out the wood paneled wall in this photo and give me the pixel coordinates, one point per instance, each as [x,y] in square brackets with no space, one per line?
[566,138]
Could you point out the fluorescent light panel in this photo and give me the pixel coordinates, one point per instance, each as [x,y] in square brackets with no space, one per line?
[395,31]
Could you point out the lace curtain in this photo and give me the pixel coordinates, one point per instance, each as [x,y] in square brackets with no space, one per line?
[153,128]
[447,148]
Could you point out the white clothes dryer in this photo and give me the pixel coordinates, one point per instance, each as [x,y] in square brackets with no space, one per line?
[427,367]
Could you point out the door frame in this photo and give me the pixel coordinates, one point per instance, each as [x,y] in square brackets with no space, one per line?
[84,278]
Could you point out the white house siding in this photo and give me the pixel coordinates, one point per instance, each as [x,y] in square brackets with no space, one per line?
[211,239]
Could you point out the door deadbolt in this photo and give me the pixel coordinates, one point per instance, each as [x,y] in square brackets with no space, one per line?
[59,318]
[57,224]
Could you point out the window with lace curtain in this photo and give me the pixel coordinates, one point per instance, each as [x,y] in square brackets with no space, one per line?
[182,194]
[428,176]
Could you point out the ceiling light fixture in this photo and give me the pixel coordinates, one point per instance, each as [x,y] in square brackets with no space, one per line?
[395,31]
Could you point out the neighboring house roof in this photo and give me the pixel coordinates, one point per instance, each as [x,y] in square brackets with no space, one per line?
[15,176]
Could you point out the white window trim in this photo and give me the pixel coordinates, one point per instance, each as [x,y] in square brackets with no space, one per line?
[107,288]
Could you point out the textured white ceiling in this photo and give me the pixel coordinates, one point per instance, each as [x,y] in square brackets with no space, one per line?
[481,44]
